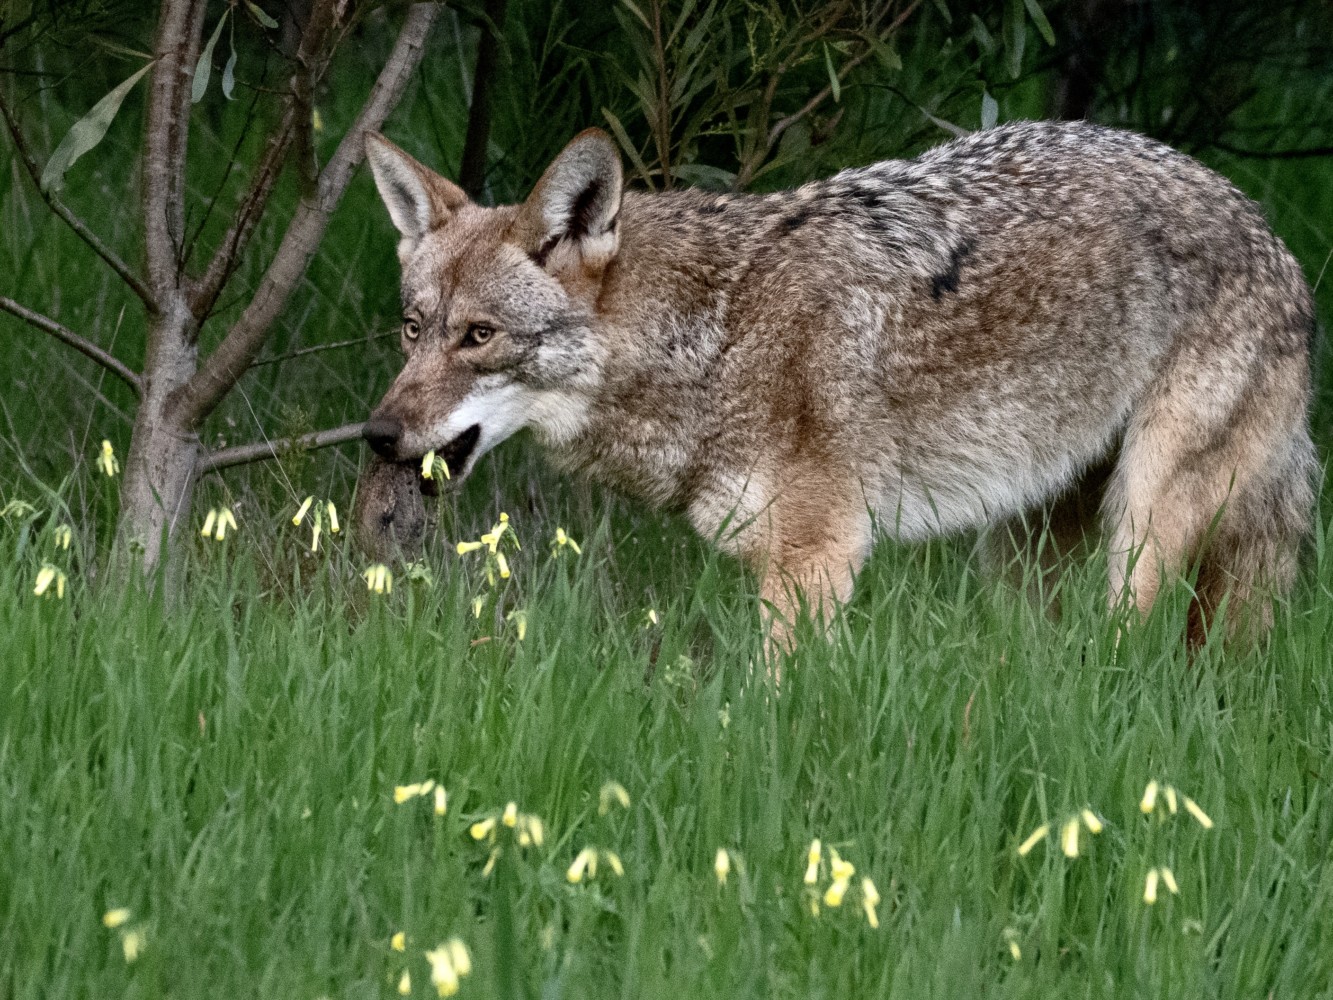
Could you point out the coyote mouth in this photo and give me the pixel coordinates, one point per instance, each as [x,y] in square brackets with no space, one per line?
[455,455]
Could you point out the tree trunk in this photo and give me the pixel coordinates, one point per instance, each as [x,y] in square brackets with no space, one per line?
[159,478]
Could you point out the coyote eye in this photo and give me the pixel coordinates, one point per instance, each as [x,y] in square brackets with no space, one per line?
[411,329]
[477,334]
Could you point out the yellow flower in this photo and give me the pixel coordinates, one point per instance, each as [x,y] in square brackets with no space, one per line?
[1193,809]
[650,618]
[443,975]
[503,564]
[217,522]
[585,860]
[402,793]
[398,942]
[613,859]
[64,534]
[303,510]
[1034,838]
[116,917]
[612,792]
[465,547]
[378,578]
[478,603]
[458,954]
[1170,792]
[869,902]
[1011,940]
[1149,797]
[1150,887]
[520,619]
[405,983]
[441,801]
[316,120]
[812,868]
[722,865]
[1169,880]
[483,829]
[510,816]
[107,460]
[315,530]
[1069,838]
[842,879]
[562,540]
[334,527]
[132,943]
[209,522]
[491,540]
[530,830]
[489,866]
[1091,821]
[428,464]
[46,576]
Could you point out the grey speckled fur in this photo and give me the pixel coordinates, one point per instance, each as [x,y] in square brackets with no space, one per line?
[914,347]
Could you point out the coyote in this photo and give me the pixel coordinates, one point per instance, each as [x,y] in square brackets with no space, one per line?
[1037,319]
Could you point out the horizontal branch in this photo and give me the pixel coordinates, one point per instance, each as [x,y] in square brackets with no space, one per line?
[301,352]
[70,219]
[261,450]
[81,344]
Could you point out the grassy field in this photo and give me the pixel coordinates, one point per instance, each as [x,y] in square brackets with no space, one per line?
[226,769]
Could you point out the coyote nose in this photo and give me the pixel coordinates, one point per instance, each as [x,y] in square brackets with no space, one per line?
[383,434]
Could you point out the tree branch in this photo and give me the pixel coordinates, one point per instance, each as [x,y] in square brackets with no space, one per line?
[84,346]
[73,221]
[233,356]
[241,454]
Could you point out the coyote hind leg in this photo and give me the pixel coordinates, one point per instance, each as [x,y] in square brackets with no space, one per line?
[1215,468]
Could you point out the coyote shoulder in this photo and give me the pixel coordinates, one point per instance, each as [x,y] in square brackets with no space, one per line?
[1039,317]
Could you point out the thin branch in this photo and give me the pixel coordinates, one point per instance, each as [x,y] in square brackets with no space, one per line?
[73,221]
[81,344]
[238,349]
[321,348]
[261,450]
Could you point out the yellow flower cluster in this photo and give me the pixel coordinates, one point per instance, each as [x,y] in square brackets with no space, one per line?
[586,862]
[1172,800]
[562,542]
[421,789]
[106,460]
[430,464]
[1069,833]
[1167,878]
[217,522]
[378,578]
[528,831]
[133,940]
[496,563]
[321,509]
[46,576]
[449,963]
[611,793]
[840,881]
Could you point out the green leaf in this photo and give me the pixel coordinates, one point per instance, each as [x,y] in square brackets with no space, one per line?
[943,8]
[990,110]
[1015,36]
[626,144]
[888,56]
[982,34]
[835,85]
[204,67]
[86,133]
[1039,19]
[259,15]
[229,76]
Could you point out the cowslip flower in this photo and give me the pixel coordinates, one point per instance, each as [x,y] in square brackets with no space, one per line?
[1011,941]
[46,576]
[722,865]
[530,830]
[107,461]
[441,801]
[611,793]
[405,984]
[132,943]
[520,619]
[585,860]
[1173,798]
[563,541]
[1069,838]
[378,578]
[483,829]
[812,866]
[445,970]
[303,510]
[116,917]
[398,942]
[217,522]
[1034,838]
[64,534]
[510,815]
[870,902]
[842,879]
[430,464]
[1149,800]
[402,793]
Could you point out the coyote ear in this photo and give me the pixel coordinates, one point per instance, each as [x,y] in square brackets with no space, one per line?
[577,203]
[418,198]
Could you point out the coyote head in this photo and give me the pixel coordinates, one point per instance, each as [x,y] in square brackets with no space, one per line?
[497,304]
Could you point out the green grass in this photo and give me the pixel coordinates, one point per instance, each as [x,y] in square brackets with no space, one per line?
[225,768]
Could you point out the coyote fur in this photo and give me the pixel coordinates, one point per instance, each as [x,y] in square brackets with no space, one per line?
[1036,324]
